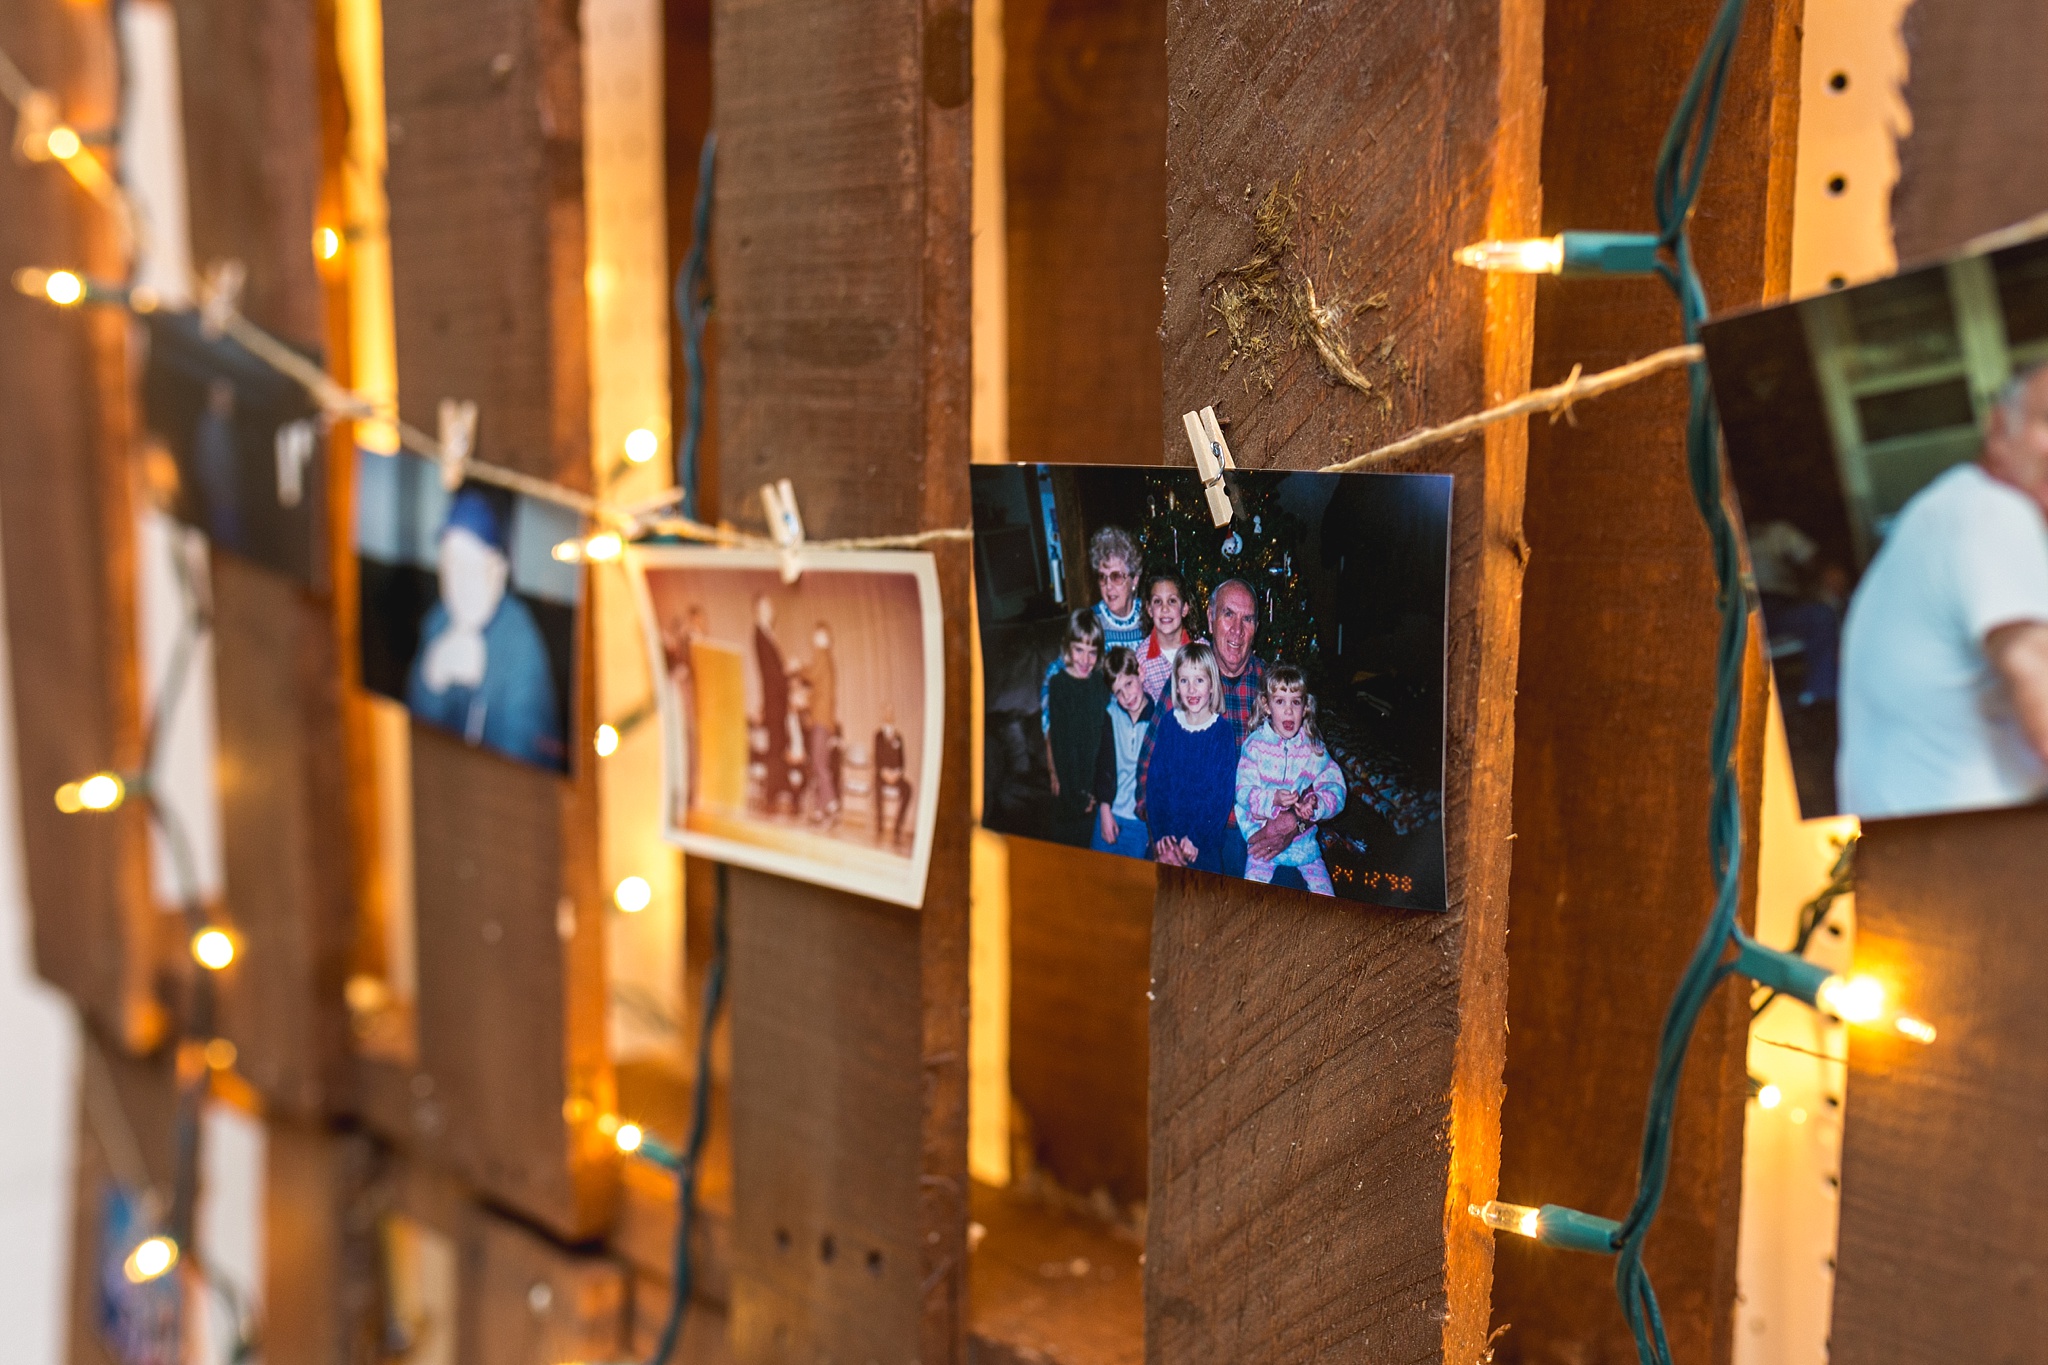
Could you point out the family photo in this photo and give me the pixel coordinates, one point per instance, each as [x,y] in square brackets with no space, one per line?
[802,722]
[467,616]
[1262,700]
[1889,446]
[247,448]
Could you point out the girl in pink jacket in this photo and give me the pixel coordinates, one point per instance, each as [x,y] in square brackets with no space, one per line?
[1284,771]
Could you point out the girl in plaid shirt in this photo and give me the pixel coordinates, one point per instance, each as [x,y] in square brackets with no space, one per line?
[1284,771]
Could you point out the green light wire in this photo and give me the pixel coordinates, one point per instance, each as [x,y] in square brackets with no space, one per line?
[1681,166]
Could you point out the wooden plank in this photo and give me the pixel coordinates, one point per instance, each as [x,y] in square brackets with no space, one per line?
[1613,706]
[842,252]
[67,531]
[484,102]
[127,1114]
[1941,1198]
[1051,1288]
[320,1257]
[1084,183]
[1963,170]
[1326,1078]
[285,814]
[1079,973]
[1084,134]
[536,1303]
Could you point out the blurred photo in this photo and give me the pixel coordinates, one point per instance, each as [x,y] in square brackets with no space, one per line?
[802,721]
[467,617]
[241,450]
[1262,700]
[1889,445]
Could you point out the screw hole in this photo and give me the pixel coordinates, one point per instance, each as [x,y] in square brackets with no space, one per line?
[1839,82]
[875,1264]
[828,1249]
[1836,282]
[1837,184]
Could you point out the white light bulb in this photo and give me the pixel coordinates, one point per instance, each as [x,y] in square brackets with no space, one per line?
[213,949]
[603,546]
[1528,256]
[150,1260]
[1770,1097]
[607,741]
[63,288]
[628,1137]
[633,895]
[642,445]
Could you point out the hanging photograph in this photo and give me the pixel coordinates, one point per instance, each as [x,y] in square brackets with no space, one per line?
[1263,700]
[467,617]
[802,721]
[241,449]
[1889,446]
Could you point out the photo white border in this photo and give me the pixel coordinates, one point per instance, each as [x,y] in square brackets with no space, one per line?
[907,889]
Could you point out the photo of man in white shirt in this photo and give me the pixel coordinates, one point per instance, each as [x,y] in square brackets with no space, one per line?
[1944,687]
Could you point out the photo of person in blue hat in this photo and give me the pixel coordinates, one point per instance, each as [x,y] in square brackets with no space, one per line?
[482,667]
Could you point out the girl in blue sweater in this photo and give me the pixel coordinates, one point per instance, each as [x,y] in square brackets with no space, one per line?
[1193,778]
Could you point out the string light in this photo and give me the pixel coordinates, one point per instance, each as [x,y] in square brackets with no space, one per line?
[607,741]
[63,143]
[1861,1000]
[628,1137]
[1553,1225]
[213,949]
[633,895]
[152,1258]
[642,445]
[61,287]
[326,243]
[1769,1096]
[1568,253]
[220,1054]
[100,792]
[598,549]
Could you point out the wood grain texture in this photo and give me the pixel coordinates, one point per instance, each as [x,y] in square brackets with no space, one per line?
[1616,695]
[1084,134]
[535,1303]
[67,532]
[1968,167]
[1326,1076]
[320,1253]
[1084,172]
[1053,1289]
[1942,1158]
[842,258]
[484,101]
[252,111]
[1080,966]
[1943,1154]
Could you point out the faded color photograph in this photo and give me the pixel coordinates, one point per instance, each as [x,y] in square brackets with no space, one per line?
[1263,700]
[1889,445]
[802,721]
[467,617]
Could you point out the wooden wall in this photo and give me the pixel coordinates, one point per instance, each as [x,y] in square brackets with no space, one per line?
[1612,883]
[841,243]
[1326,1077]
[1941,1170]
[484,110]
[285,817]
[67,530]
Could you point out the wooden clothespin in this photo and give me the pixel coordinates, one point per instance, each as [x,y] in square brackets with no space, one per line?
[785,524]
[458,440]
[220,297]
[1212,457]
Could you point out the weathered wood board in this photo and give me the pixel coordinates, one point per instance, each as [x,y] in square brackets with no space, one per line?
[1941,1163]
[1326,1077]
[67,530]
[484,102]
[842,258]
[1611,881]
[286,828]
